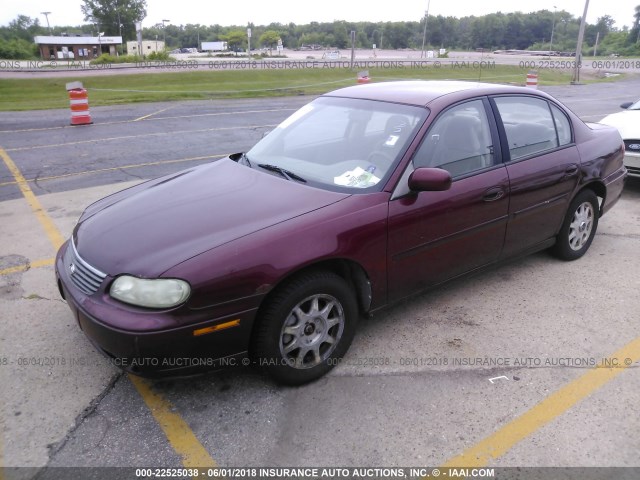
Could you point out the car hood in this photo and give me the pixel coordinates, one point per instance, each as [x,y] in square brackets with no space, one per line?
[627,123]
[154,226]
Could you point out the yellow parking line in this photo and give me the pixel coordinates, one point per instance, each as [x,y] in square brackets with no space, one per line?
[180,436]
[497,444]
[28,266]
[128,137]
[151,114]
[97,124]
[123,167]
[59,127]
[217,114]
[44,219]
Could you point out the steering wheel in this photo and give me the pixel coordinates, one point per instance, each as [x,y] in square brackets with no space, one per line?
[380,159]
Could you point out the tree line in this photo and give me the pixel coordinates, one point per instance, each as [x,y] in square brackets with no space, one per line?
[541,30]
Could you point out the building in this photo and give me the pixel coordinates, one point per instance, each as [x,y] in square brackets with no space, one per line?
[148,46]
[74,47]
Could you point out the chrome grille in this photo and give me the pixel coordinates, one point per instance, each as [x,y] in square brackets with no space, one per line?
[87,278]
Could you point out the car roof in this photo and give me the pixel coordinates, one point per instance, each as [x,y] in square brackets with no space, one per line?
[422,92]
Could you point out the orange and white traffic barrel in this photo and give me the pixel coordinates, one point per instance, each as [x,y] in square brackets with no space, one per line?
[79,101]
[363,77]
[532,79]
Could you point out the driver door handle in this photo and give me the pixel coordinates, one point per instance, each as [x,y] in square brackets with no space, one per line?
[493,194]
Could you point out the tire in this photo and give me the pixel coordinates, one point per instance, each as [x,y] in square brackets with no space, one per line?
[579,227]
[306,328]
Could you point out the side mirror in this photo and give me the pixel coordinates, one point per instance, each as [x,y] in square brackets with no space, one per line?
[429,180]
[626,105]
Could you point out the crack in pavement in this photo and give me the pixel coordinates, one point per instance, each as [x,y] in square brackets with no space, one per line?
[80,419]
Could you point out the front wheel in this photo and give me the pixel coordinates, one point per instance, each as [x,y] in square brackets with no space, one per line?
[306,328]
[579,227]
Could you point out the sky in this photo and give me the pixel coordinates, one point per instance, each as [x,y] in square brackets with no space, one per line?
[261,12]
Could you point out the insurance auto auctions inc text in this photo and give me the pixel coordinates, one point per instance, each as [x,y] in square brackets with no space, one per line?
[353,472]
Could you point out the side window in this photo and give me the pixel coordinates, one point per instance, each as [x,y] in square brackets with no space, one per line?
[459,141]
[562,125]
[529,125]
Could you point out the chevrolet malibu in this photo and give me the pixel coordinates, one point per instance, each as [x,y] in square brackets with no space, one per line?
[365,196]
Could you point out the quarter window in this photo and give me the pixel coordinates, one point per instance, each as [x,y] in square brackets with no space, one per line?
[529,125]
[459,141]
[562,125]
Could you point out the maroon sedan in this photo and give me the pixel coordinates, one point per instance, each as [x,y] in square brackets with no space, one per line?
[363,197]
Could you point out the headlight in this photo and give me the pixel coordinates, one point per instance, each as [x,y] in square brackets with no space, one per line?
[156,293]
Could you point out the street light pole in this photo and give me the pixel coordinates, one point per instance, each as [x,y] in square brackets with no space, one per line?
[46,15]
[100,34]
[164,33]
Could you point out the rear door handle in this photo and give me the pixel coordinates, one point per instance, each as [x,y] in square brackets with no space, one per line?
[493,194]
[571,171]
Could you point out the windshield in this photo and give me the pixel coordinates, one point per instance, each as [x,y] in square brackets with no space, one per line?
[341,144]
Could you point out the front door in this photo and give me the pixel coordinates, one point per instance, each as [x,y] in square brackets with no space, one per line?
[435,236]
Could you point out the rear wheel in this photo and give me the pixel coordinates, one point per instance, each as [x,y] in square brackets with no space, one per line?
[306,328]
[579,227]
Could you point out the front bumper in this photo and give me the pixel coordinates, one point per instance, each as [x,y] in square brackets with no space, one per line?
[632,162]
[182,349]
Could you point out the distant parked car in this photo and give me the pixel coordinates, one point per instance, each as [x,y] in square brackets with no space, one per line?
[361,198]
[628,124]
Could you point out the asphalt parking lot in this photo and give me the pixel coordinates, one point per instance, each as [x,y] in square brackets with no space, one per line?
[494,370]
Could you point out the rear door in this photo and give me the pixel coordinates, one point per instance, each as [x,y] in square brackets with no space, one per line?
[543,166]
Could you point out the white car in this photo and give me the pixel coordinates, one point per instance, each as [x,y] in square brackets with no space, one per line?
[628,124]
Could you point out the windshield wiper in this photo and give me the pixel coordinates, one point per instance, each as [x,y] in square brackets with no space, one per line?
[284,172]
[243,156]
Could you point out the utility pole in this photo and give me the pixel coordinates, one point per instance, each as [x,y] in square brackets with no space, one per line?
[576,69]
[46,15]
[424,33]
[553,26]
[353,47]
[139,39]
[119,21]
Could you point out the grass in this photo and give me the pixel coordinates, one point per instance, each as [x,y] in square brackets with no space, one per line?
[48,93]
